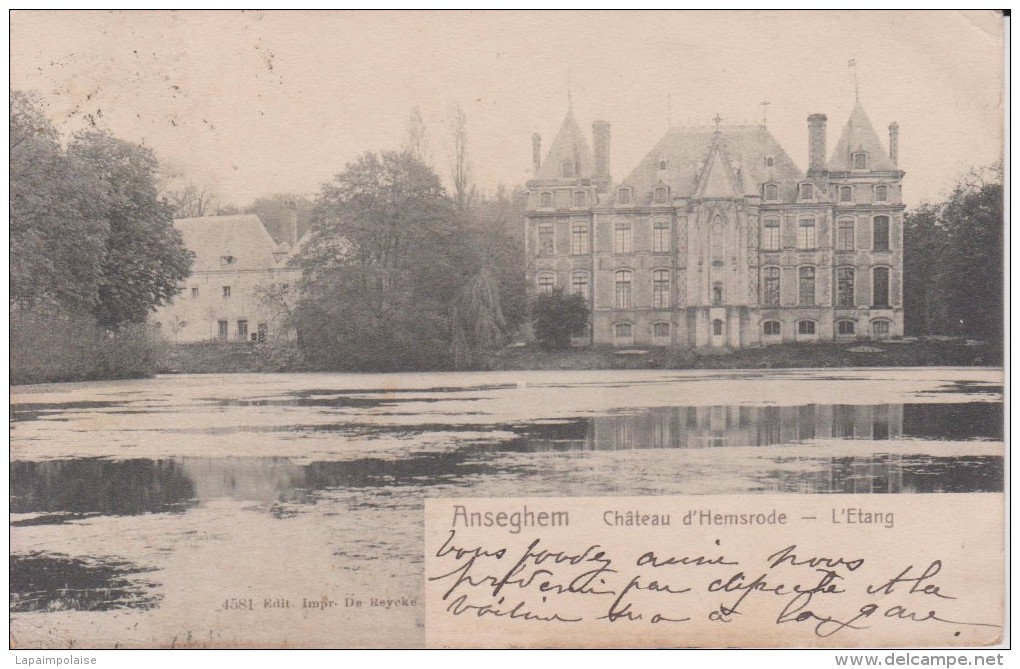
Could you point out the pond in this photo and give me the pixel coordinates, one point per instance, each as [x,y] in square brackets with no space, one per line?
[148,513]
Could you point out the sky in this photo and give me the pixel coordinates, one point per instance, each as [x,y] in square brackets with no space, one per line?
[248,104]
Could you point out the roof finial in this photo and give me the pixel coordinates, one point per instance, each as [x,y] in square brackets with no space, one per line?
[765,112]
[852,64]
[570,99]
[718,119]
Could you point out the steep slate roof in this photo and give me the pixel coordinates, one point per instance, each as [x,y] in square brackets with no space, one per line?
[739,156]
[858,134]
[570,145]
[244,238]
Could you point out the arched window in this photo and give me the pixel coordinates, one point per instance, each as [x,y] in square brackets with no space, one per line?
[770,240]
[806,286]
[880,287]
[880,236]
[807,191]
[881,193]
[660,330]
[546,283]
[623,285]
[846,193]
[579,284]
[845,234]
[623,196]
[623,331]
[806,238]
[860,160]
[660,195]
[717,327]
[660,289]
[567,170]
[771,192]
[845,287]
[717,235]
[846,328]
[717,294]
[772,328]
[663,163]
[770,290]
[880,329]
[770,161]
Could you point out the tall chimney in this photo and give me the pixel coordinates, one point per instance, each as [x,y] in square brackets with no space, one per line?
[600,137]
[291,223]
[894,143]
[816,142]
[536,152]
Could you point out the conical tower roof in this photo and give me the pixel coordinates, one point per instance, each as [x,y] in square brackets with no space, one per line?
[570,145]
[859,135]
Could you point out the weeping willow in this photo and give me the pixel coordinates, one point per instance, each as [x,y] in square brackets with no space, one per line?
[477,318]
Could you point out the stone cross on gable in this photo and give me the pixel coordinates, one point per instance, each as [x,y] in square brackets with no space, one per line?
[718,119]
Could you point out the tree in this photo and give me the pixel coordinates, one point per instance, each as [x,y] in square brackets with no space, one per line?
[953,261]
[558,317]
[460,166]
[144,260]
[191,201]
[382,265]
[417,137]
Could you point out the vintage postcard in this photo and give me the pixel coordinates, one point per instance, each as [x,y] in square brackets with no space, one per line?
[507,330]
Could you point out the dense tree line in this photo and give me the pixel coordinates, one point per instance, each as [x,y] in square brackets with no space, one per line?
[92,247]
[953,261]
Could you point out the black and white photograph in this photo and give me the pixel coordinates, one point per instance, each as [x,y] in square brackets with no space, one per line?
[278,279]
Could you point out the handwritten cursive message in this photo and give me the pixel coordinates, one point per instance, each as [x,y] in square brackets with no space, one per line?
[715,571]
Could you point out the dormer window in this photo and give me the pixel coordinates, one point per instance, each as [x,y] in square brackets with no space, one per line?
[545,200]
[881,193]
[860,160]
[807,191]
[567,170]
[623,196]
[770,161]
[580,198]
[846,193]
[663,163]
[771,192]
[227,260]
[659,195]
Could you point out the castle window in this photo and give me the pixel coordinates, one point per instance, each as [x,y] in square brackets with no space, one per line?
[881,193]
[717,294]
[222,328]
[660,330]
[546,244]
[660,195]
[242,329]
[880,237]
[806,234]
[807,191]
[660,289]
[624,331]
[194,293]
[880,329]
[770,234]
[860,160]
[545,200]
[771,192]
[770,161]
[567,170]
[579,240]
[546,284]
[717,327]
[770,287]
[622,237]
[623,196]
[580,198]
[579,284]
[663,164]
[226,291]
[845,287]
[806,327]
[846,193]
[660,237]
[772,328]
[845,328]
[880,287]
[806,286]
[845,234]
[623,283]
